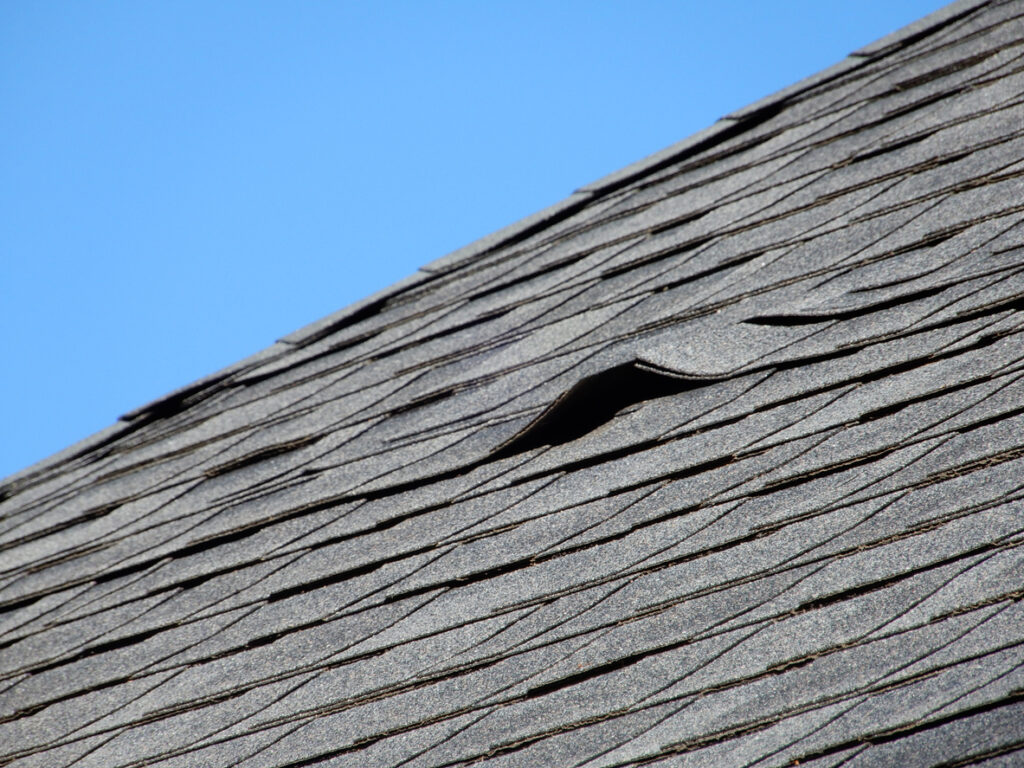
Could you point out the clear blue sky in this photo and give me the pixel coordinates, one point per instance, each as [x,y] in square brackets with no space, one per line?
[181,183]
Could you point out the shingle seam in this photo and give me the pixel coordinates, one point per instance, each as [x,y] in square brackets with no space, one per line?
[356,701]
[387,692]
[780,668]
[892,733]
[774,669]
[419,724]
[998,547]
[886,735]
[473,666]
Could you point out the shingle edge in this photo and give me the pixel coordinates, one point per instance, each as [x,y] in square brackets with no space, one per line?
[326,325]
[206,382]
[697,141]
[829,73]
[511,233]
[662,157]
[941,17]
[10,483]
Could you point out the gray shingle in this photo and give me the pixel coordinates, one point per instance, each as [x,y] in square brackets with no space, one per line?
[717,462]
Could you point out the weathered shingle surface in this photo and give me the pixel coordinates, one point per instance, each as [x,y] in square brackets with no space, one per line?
[718,463]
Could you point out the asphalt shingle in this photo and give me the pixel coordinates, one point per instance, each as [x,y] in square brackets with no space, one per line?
[716,462]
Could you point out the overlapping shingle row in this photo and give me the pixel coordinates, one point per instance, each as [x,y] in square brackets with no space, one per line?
[717,463]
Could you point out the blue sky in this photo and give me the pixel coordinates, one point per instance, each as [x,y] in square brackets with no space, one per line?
[181,183]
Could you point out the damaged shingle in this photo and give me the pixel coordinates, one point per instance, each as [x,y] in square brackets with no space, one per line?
[717,462]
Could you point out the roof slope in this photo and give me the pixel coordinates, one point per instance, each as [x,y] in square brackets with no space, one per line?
[718,462]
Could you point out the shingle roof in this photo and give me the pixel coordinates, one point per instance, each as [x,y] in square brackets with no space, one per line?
[718,462]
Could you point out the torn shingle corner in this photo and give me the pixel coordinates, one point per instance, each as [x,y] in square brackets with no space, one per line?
[594,401]
[717,462]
